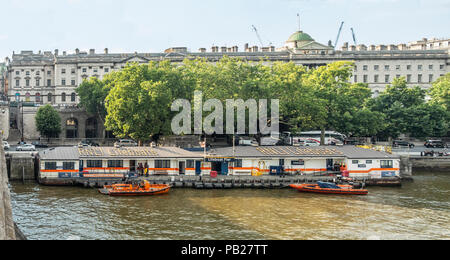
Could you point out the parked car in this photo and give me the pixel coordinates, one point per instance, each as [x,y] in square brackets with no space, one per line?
[435,144]
[311,143]
[248,141]
[399,143]
[38,144]
[26,147]
[125,142]
[88,143]
[5,145]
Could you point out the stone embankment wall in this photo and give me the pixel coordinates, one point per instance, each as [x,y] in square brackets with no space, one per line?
[4,121]
[22,167]
[7,227]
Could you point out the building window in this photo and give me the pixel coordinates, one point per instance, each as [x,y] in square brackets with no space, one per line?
[68,166]
[73,71]
[376,67]
[17,72]
[50,166]
[441,67]
[365,78]
[375,79]
[73,82]
[408,67]
[386,78]
[38,98]
[387,164]
[49,83]
[398,67]
[386,67]
[84,70]
[419,67]
[37,83]
[430,67]
[430,78]
[27,73]
[27,82]
[408,78]
[94,164]
[73,97]
[368,161]
[27,97]
[355,162]
[49,96]
[63,82]
[356,79]
[162,164]
[17,82]
[115,164]
[63,97]
[365,67]
[419,78]
[49,72]
[106,70]
[281,162]
[38,73]
[63,71]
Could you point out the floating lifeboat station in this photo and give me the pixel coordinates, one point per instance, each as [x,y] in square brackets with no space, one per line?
[107,165]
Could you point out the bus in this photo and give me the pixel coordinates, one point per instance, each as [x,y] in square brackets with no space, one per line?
[303,138]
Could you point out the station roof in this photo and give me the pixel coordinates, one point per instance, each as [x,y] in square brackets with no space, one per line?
[350,152]
[76,153]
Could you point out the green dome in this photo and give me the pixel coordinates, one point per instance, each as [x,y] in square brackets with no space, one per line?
[300,36]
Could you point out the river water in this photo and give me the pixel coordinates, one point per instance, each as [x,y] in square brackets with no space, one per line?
[418,210]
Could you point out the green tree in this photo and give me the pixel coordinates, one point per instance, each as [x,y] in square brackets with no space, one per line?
[48,121]
[344,104]
[93,93]
[440,91]
[138,104]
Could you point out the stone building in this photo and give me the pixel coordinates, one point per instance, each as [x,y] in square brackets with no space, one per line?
[52,77]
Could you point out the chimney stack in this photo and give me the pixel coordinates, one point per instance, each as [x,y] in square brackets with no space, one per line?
[202,50]
[56,52]
[106,50]
[77,51]
[92,51]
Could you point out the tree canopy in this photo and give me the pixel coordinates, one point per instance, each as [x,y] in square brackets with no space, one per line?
[48,121]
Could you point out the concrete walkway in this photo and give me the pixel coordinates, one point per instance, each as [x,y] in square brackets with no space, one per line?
[7,227]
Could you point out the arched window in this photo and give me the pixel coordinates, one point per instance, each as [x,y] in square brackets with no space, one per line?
[63,97]
[73,97]
[38,98]
[49,96]
[17,97]
[27,97]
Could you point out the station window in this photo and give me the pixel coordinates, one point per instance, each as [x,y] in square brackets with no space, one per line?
[68,166]
[281,162]
[50,166]
[162,164]
[369,162]
[115,164]
[94,164]
[190,164]
[238,163]
[387,164]
[355,162]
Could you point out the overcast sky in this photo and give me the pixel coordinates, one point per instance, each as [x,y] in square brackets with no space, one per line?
[153,26]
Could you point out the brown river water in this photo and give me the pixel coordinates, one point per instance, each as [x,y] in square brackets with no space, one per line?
[418,210]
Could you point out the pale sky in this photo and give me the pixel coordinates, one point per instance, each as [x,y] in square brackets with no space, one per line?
[153,26]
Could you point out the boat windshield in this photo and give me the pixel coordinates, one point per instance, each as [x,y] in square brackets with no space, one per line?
[327,185]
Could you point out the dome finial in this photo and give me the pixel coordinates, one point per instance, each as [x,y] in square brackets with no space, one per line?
[299,27]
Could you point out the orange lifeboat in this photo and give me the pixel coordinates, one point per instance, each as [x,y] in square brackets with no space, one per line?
[142,189]
[329,188]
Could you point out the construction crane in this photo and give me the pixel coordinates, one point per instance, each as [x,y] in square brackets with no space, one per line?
[259,37]
[354,37]
[339,34]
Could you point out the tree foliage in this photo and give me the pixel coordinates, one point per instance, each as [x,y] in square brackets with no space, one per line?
[136,101]
[48,121]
